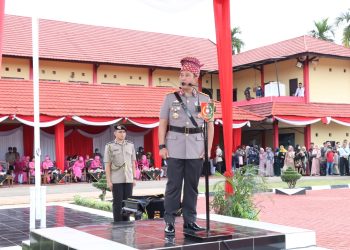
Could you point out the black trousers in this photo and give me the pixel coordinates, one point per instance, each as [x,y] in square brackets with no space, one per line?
[187,171]
[121,191]
[344,166]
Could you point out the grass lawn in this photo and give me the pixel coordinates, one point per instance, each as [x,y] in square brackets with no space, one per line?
[300,183]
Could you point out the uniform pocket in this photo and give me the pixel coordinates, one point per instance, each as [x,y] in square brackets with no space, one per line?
[171,137]
[200,137]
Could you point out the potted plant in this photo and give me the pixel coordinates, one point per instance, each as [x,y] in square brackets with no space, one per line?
[245,182]
[290,176]
[102,185]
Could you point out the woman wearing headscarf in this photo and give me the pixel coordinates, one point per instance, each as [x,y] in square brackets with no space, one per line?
[281,155]
[299,159]
[315,167]
[47,165]
[289,160]
[77,168]
[262,162]
[269,162]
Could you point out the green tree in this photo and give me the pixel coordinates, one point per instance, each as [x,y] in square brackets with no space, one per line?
[102,185]
[344,18]
[237,43]
[323,30]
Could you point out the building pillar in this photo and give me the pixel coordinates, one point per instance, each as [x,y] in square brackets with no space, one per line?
[155,149]
[150,77]
[275,135]
[307,136]
[94,73]
[31,69]
[59,145]
[200,84]
[306,75]
[262,78]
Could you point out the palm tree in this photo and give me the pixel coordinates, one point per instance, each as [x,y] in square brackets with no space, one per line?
[344,18]
[323,30]
[237,43]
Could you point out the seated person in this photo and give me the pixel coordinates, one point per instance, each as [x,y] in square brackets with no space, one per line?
[47,167]
[20,167]
[96,165]
[31,166]
[3,171]
[144,163]
[77,168]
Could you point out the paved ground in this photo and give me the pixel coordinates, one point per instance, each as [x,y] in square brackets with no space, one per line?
[325,211]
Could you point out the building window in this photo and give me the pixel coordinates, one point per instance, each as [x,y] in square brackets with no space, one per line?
[114,76]
[18,69]
[83,74]
[105,75]
[344,70]
[7,69]
[159,79]
[168,79]
[218,95]
[140,77]
[206,81]
[130,77]
[234,95]
[209,92]
[330,69]
[72,74]
[42,71]
[54,72]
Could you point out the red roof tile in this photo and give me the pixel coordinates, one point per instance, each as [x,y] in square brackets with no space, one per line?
[80,42]
[295,46]
[314,110]
[66,99]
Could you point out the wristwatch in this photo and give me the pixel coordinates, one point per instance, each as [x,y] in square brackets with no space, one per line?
[161,146]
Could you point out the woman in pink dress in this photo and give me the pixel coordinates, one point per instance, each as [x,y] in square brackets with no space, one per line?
[315,167]
[289,160]
[77,168]
[262,162]
[144,163]
[95,164]
[31,166]
[47,165]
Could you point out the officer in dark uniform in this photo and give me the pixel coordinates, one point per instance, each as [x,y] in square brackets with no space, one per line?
[119,158]
[182,146]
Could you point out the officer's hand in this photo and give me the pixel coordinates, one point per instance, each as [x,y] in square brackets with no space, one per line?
[203,156]
[110,185]
[164,153]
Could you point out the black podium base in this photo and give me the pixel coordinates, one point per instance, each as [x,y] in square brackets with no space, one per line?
[207,236]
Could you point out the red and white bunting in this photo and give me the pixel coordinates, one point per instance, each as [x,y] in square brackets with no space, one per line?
[45,124]
[96,121]
[297,120]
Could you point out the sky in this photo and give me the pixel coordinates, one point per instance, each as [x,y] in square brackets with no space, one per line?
[262,22]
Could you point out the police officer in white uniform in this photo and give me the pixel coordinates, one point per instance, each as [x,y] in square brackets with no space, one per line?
[182,146]
[119,158]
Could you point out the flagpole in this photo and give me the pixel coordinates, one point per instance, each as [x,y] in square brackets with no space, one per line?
[38,207]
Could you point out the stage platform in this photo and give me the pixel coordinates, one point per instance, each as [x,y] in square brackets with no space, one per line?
[76,227]
[149,234]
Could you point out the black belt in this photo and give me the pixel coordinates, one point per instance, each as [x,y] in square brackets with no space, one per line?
[185,130]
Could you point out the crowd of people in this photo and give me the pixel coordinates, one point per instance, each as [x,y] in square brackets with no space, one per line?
[22,168]
[79,168]
[317,160]
[145,169]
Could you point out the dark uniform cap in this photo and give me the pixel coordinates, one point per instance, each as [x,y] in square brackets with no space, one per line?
[120,127]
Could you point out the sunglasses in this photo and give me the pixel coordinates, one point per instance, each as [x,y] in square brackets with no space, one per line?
[185,84]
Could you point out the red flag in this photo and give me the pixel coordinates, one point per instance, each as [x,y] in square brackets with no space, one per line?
[224,49]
